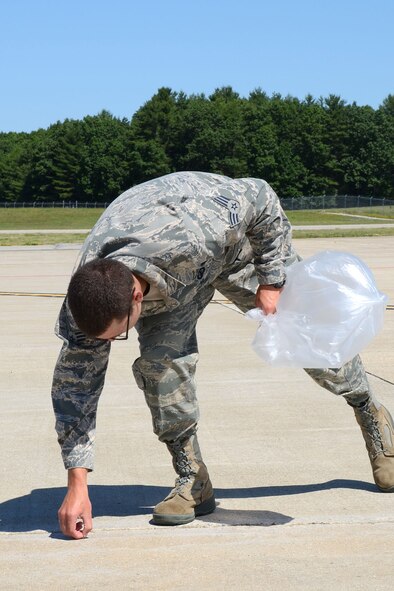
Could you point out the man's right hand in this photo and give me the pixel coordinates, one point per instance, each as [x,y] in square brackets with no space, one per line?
[76,506]
[267,298]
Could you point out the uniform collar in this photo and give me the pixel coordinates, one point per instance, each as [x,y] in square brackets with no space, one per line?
[163,281]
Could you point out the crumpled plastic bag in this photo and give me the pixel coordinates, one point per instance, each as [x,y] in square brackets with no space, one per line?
[329,310]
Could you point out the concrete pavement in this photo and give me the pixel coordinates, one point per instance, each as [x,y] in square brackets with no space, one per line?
[297,505]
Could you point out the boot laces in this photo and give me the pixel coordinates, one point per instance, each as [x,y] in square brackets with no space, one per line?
[181,482]
[182,461]
[371,427]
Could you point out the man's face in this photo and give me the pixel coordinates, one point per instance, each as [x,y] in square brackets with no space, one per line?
[119,327]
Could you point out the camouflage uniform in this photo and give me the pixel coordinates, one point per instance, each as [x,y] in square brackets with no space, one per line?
[187,234]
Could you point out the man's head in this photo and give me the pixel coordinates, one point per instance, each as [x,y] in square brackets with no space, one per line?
[100,295]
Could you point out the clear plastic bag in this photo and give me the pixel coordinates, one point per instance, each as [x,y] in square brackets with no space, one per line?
[329,310]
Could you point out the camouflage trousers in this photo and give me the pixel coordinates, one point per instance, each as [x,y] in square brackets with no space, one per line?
[165,370]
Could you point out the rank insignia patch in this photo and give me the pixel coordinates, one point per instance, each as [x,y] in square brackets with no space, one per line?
[233,207]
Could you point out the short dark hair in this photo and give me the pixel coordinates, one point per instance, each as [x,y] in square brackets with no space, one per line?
[98,293]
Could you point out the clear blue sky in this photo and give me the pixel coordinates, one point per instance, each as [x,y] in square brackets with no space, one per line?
[71,58]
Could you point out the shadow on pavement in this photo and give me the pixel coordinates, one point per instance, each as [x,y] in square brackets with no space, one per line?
[38,510]
[293,489]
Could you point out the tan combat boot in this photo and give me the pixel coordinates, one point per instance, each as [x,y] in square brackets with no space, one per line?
[378,431]
[193,494]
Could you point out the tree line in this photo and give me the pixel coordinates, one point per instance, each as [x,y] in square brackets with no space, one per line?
[301,147]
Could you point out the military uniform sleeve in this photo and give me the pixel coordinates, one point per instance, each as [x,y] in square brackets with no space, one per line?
[269,234]
[77,384]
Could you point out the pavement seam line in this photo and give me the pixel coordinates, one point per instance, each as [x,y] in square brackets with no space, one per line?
[209,526]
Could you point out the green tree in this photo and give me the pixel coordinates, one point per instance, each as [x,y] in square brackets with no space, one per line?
[105,168]
[146,160]
[300,147]
[38,184]
[383,153]
[289,174]
[153,124]
[210,135]
[68,148]
[14,164]
[313,148]
[259,136]
[388,105]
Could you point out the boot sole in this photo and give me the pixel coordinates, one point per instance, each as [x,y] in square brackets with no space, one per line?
[386,490]
[204,508]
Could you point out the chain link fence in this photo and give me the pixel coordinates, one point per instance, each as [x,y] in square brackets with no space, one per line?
[288,203]
[336,202]
[58,204]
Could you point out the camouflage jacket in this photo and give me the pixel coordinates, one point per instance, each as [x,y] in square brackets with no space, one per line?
[189,227]
[180,232]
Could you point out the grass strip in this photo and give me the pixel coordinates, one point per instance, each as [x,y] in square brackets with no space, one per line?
[49,218]
[338,233]
[40,239]
[326,217]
